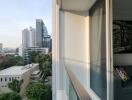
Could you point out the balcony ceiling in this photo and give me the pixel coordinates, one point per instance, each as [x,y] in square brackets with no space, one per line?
[77,5]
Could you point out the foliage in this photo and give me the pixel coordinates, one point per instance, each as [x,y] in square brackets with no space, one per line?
[15,85]
[38,91]
[11,60]
[10,96]
[32,56]
[44,60]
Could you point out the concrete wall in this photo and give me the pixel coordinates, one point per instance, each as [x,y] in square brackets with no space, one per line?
[76,45]
[4,83]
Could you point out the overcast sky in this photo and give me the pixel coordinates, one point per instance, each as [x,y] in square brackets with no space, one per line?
[15,15]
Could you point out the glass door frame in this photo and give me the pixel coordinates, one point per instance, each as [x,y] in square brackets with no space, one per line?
[109,50]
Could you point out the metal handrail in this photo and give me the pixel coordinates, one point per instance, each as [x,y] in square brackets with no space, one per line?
[79,89]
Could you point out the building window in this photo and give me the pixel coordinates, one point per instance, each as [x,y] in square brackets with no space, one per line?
[98,82]
[1,79]
[5,79]
[9,79]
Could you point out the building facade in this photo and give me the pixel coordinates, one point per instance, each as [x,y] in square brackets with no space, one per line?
[39,32]
[82,50]
[47,42]
[25,44]
[32,37]
[18,73]
[25,38]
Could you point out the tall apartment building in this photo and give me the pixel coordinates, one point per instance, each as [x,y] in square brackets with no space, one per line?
[25,38]
[45,31]
[39,32]
[32,37]
[92,49]
[47,42]
[25,44]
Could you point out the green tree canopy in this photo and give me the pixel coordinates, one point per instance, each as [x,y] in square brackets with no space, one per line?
[15,85]
[10,96]
[38,91]
[11,60]
[32,56]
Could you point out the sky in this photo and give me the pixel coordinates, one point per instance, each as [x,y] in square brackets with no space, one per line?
[15,15]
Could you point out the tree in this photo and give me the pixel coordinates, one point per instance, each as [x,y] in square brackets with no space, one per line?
[32,56]
[15,85]
[11,60]
[38,91]
[10,96]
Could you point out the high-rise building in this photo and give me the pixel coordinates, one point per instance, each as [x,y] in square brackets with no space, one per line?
[45,31]
[39,32]
[20,50]
[47,42]
[25,38]
[1,47]
[32,32]
[25,44]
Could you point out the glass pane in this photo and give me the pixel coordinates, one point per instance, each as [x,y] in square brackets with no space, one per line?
[72,93]
[98,50]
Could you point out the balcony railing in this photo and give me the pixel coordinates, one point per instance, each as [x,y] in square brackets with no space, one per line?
[78,90]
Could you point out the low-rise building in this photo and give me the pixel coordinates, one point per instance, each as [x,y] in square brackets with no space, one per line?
[19,73]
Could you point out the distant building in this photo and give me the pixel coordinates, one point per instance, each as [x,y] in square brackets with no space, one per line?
[32,42]
[25,38]
[45,31]
[25,44]
[19,73]
[47,42]
[40,50]
[20,51]
[39,32]
[1,47]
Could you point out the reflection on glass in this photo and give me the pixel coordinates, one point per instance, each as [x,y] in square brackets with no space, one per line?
[98,51]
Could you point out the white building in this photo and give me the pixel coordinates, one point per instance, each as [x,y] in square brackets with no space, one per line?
[25,38]
[40,50]
[32,32]
[20,50]
[19,73]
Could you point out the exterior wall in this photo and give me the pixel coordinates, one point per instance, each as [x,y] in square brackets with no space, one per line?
[70,49]
[74,52]
[32,37]
[55,51]
[25,38]
[25,77]
[39,32]
[76,45]
[4,83]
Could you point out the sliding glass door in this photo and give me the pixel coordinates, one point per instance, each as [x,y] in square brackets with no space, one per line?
[98,76]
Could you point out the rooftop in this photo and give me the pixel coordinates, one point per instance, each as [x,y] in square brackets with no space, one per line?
[17,70]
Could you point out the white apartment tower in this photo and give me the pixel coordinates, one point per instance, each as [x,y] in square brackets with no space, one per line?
[25,38]
[32,32]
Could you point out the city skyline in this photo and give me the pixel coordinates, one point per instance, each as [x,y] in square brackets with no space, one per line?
[19,15]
